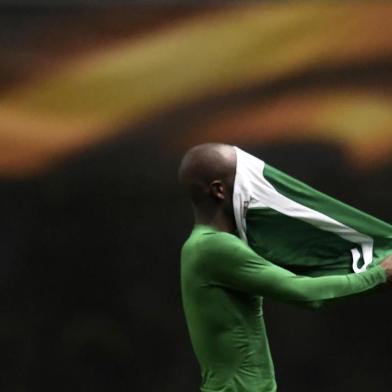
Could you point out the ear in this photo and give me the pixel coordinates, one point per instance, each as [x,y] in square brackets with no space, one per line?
[217,190]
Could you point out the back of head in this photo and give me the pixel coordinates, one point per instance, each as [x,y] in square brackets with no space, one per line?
[204,165]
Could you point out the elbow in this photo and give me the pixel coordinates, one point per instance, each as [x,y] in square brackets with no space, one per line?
[300,294]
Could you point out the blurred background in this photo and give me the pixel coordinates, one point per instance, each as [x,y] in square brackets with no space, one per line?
[97,106]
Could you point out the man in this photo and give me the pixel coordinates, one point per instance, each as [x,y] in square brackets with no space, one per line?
[223,281]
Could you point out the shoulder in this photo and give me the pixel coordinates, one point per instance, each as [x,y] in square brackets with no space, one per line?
[210,241]
[222,244]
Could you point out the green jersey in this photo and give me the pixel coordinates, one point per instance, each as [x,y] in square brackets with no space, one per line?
[223,281]
[300,228]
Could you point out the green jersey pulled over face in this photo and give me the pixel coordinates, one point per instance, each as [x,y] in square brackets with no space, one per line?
[223,281]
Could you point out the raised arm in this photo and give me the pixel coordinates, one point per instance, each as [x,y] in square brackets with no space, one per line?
[232,264]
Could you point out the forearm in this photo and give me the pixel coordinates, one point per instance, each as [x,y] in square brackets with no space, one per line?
[233,265]
[297,288]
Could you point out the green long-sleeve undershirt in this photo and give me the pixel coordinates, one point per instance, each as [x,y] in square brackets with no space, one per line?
[222,282]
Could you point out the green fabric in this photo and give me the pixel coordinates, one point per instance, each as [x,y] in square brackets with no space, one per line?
[300,252]
[222,282]
[379,231]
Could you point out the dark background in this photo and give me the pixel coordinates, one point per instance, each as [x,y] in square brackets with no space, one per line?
[89,254]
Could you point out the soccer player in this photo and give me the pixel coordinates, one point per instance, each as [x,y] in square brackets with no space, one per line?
[223,281]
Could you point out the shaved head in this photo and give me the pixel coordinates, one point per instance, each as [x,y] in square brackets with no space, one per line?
[207,170]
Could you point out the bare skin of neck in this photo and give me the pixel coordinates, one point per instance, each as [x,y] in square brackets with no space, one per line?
[216,218]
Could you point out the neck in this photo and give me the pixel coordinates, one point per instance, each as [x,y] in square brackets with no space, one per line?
[217,219]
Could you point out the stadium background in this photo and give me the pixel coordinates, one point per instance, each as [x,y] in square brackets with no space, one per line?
[97,105]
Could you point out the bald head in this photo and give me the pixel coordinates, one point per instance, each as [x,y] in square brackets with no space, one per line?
[207,172]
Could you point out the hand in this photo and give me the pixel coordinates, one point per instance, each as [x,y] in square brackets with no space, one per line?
[387,265]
